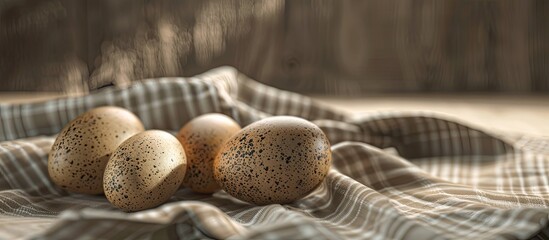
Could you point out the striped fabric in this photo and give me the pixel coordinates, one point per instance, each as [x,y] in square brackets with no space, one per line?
[394,175]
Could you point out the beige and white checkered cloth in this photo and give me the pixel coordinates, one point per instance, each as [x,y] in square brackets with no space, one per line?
[394,175]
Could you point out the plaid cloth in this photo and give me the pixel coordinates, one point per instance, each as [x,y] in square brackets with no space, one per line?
[394,175]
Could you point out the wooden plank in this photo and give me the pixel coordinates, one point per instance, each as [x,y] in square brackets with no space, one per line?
[341,47]
[538,43]
[41,46]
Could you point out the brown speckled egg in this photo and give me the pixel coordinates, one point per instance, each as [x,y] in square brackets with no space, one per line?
[274,160]
[202,138]
[81,150]
[144,171]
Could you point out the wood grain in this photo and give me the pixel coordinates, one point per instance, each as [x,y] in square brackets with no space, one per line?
[315,46]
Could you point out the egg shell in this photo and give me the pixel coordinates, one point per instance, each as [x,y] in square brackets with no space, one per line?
[202,138]
[274,160]
[144,171]
[81,150]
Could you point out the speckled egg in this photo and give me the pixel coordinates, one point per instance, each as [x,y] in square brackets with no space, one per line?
[274,160]
[81,150]
[202,138]
[144,171]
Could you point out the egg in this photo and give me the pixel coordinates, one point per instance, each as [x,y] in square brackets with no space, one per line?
[81,150]
[202,138]
[144,171]
[274,160]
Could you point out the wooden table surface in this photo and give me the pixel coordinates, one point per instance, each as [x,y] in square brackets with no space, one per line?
[517,114]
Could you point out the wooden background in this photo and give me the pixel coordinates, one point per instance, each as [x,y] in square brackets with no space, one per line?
[339,47]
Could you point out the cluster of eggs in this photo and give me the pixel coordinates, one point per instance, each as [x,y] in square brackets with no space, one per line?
[107,150]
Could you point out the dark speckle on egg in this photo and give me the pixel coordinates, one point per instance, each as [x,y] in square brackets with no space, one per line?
[275,160]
